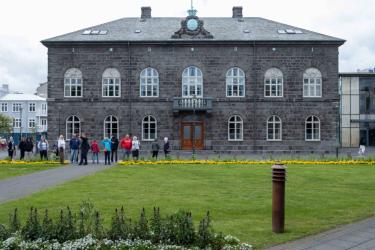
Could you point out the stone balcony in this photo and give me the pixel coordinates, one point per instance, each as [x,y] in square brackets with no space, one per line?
[190,104]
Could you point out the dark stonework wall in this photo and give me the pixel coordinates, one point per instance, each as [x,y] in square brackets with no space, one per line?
[214,61]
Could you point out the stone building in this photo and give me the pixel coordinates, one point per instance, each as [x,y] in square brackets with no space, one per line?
[228,83]
[357,109]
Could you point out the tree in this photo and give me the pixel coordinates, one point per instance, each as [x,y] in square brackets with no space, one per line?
[5,124]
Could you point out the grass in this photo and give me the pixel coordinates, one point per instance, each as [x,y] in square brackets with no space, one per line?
[12,170]
[239,197]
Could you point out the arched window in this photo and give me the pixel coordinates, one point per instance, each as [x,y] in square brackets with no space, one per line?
[73,126]
[192,82]
[273,83]
[149,128]
[235,128]
[111,126]
[73,83]
[312,129]
[235,83]
[111,84]
[274,128]
[149,86]
[312,83]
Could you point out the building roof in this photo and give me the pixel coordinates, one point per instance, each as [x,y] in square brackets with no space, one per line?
[22,97]
[223,29]
[357,74]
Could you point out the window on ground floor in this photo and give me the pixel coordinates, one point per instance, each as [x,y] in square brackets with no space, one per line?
[73,126]
[312,128]
[111,127]
[149,128]
[274,128]
[235,128]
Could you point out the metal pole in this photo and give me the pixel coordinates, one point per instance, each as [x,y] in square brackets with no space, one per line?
[278,198]
[194,98]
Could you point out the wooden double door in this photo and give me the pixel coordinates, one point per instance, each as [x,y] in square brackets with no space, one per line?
[192,135]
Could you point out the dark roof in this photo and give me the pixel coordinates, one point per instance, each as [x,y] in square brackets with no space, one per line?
[223,29]
[357,74]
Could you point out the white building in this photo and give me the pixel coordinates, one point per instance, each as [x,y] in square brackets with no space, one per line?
[28,113]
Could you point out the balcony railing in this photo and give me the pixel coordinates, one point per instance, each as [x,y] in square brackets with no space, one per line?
[190,104]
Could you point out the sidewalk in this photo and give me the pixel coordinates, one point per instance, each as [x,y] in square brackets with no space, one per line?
[356,236]
[21,186]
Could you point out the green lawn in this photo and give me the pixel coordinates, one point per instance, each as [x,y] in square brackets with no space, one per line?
[12,170]
[239,197]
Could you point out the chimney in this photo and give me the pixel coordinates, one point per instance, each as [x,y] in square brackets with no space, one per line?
[237,12]
[146,12]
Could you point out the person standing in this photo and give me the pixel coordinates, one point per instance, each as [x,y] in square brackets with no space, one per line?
[29,148]
[43,148]
[126,145]
[22,147]
[135,148]
[61,148]
[166,147]
[11,148]
[107,150]
[155,149]
[114,147]
[95,151]
[85,147]
[74,146]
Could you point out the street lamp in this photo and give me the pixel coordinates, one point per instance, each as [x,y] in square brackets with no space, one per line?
[194,102]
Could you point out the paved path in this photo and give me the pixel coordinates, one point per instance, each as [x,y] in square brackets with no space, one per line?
[18,187]
[356,236]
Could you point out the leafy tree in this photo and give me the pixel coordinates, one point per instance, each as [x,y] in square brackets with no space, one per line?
[5,124]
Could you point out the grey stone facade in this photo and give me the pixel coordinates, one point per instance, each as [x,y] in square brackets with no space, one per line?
[214,58]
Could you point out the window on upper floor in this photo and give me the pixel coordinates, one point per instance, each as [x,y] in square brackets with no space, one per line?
[192,82]
[73,127]
[274,128]
[111,83]
[273,83]
[73,83]
[235,82]
[31,123]
[17,107]
[235,128]
[111,126]
[4,107]
[16,123]
[312,128]
[149,85]
[32,107]
[312,83]
[149,128]
[44,108]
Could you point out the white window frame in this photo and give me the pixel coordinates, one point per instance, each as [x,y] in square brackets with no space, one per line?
[148,122]
[274,77]
[314,121]
[312,78]
[192,80]
[44,108]
[43,127]
[16,107]
[17,123]
[73,80]
[110,120]
[238,75]
[149,78]
[237,121]
[4,107]
[31,120]
[32,107]
[75,120]
[273,121]
[111,77]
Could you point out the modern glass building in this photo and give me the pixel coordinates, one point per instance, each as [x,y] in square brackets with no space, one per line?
[357,92]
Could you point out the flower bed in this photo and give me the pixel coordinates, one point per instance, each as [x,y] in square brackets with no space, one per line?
[31,162]
[247,162]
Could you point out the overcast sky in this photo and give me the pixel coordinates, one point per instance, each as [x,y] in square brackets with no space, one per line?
[24,23]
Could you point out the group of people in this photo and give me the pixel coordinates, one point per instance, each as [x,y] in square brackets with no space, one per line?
[26,147]
[80,146]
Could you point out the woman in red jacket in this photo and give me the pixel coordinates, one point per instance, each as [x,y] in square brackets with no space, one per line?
[95,151]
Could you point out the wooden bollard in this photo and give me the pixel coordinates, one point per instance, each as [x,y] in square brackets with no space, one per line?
[278,198]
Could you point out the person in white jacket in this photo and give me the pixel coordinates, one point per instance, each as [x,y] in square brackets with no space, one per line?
[61,148]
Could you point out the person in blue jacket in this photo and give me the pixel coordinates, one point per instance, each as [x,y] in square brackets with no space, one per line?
[107,150]
[74,146]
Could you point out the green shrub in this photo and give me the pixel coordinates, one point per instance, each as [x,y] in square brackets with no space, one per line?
[4,233]
[141,230]
[32,229]
[47,227]
[14,222]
